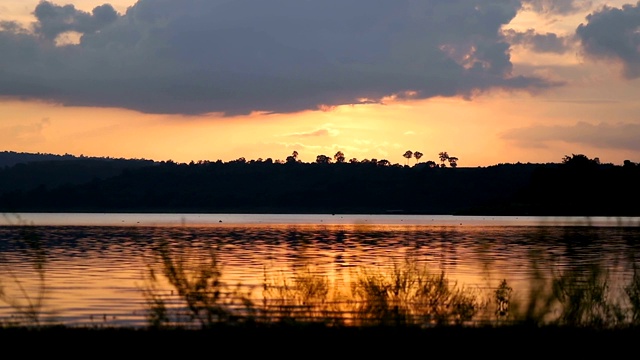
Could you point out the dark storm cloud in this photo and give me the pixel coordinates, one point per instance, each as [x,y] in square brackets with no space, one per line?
[557,7]
[238,56]
[54,20]
[614,33]
[11,27]
[606,136]
[544,43]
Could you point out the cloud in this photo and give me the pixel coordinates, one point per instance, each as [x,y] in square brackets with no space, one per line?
[299,146]
[315,133]
[54,20]
[25,132]
[243,56]
[543,43]
[606,136]
[319,132]
[12,27]
[613,33]
[557,7]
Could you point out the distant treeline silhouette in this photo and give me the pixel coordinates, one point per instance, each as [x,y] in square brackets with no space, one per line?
[576,186]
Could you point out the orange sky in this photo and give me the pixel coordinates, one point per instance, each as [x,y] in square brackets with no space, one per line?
[593,113]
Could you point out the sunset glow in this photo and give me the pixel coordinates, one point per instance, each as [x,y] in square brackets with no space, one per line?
[558,88]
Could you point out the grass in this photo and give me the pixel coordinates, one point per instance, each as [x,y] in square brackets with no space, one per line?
[196,282]
[400,295]
[27,303]
[584,298]
[412,295]
[406,295]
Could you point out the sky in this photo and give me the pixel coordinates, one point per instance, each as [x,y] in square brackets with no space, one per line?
[487,81]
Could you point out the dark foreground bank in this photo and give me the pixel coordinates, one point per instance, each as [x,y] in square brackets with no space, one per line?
[320,341]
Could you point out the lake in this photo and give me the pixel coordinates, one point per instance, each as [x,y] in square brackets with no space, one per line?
[97,267]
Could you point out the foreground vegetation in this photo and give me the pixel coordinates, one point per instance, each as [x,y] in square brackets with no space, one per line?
[401,295]
[402,309]
[183,289]
[403,313]
[407,295]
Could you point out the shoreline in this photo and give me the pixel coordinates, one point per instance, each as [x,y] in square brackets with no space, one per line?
[222,219]
[280,340]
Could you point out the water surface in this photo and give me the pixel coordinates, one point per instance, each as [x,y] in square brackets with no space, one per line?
[97,264]
[110,219]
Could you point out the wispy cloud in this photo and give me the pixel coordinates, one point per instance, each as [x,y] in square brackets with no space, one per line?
[543,43]
[25,132]
[557,7]
[326,131]
[607,136]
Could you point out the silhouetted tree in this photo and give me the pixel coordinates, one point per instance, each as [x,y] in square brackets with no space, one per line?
[408,154]
[353,161]
[383,162]
[323,159]
[339,157]
[580,161]
[293,158]
[443,157]
[417,155]
[453,161]
[431,163]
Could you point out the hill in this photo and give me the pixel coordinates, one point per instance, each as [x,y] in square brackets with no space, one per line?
[10,158]
[28,171]
[577,186]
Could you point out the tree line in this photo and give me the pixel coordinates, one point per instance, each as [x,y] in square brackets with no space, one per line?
[577,185]
[340,158]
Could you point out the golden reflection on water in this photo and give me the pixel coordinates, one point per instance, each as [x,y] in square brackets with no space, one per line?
[95,275]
